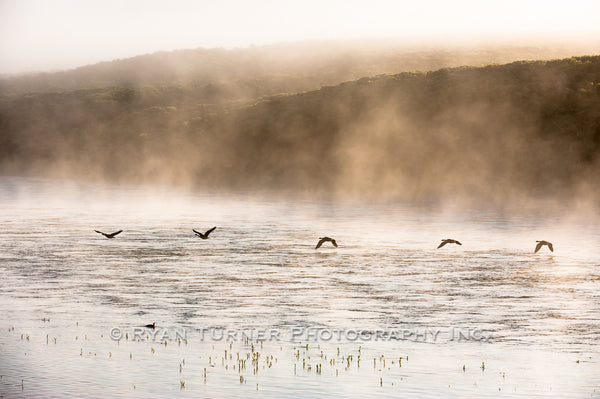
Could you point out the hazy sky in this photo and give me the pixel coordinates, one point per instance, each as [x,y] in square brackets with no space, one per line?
[58,34]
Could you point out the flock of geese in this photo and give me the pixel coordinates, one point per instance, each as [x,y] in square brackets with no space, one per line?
[323,240]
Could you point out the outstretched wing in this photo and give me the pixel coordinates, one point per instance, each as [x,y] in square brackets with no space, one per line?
[334,243]
[99,232]
[457,242]
[197,233]
[442,244]
[209,231]
[551,247]
[321,241]
[537,247]
[116,233]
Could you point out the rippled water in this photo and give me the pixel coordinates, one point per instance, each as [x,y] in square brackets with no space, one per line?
[539,313]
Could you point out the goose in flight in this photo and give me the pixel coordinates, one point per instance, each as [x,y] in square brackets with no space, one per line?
[323,240]
[448,241]
[111,235]
[540,244]
[152,326]
[204,236]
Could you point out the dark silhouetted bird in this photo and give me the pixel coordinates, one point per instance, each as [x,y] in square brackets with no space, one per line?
[111,235]
[153,325]
[204,236]
[448,241]
[323,240]
[540,244]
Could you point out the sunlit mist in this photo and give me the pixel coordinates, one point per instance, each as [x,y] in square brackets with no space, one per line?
[40,35]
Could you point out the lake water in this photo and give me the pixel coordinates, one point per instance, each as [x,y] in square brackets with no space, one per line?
[529,324]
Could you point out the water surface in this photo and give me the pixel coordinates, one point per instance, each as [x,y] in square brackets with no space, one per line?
[538,313]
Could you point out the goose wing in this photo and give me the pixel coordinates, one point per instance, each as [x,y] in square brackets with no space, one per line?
[457,242]
[442,244]
[197,233]
[321,241]
[99,232]
[538,246]
[210,231]
[551,247]
[116,233]
[334,243]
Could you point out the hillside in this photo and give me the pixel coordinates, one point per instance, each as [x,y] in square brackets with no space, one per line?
[248,73]
[524,129]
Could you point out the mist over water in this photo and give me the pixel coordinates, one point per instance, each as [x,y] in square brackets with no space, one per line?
[502,135]
[259,269]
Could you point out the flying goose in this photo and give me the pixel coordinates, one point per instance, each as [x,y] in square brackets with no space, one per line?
[111,235]
[323,240]
[205,235]
[540,244]
[152,326]
[448,241]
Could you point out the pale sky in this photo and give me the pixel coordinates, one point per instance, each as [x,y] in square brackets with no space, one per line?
[39,35]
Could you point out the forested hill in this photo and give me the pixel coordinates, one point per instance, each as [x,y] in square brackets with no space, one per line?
[524,129]
[281,68]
